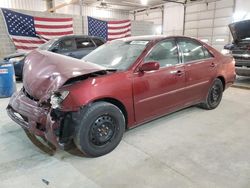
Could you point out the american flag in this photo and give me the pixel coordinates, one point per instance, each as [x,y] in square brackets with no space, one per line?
[109,30]
[28,32]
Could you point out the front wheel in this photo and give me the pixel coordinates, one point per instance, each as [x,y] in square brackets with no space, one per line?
[101,129]
[214,95]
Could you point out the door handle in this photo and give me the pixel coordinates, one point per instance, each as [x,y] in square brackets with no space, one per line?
[179,73]
[212,65]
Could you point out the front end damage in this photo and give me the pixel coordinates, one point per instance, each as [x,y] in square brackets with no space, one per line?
[67,123]
[56,126]
[36,108]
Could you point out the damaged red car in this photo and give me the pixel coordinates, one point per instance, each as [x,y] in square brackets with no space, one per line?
[120,85]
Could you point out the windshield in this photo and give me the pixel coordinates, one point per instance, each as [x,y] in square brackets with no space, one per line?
[47,45]
[117,54]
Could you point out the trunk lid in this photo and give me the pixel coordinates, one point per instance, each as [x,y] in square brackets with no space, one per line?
[45,72]
[240,30]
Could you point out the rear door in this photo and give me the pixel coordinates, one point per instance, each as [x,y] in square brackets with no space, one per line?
[200,68]
[158,92]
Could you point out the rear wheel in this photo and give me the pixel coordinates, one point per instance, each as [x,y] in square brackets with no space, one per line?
[101,129]
[214,95]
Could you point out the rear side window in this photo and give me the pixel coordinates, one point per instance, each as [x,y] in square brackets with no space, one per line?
[67,45]
[84,43]
[98,42]
[191,50]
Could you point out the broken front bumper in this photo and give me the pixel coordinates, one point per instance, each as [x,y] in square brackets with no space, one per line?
[32,117]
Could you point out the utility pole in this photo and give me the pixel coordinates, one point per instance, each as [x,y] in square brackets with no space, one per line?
[81,14]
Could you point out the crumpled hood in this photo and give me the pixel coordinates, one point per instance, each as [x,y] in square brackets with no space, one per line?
[240,30]
[45,72]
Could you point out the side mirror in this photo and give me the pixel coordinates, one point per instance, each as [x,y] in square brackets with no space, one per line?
[149,66]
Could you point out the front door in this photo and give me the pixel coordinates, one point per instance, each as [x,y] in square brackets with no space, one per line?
[158,92]
[67,47]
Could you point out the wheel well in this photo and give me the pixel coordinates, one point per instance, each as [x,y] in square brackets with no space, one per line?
[223,81]
[118,104]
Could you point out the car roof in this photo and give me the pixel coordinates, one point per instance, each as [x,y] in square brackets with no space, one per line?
[144,37]
[153,38]
[73,36]
[128,39]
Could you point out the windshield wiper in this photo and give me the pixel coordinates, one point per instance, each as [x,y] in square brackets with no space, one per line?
[111,70]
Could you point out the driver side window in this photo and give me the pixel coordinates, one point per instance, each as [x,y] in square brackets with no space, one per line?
[165,52]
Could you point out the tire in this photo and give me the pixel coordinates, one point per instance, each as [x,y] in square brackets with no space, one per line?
[100,130]
[214,95]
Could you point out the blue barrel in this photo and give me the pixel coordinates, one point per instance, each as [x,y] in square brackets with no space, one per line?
[7,79]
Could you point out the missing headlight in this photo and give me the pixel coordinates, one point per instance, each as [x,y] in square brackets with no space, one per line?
[57,98]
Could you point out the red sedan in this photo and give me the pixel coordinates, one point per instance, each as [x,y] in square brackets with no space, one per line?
[120,85]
